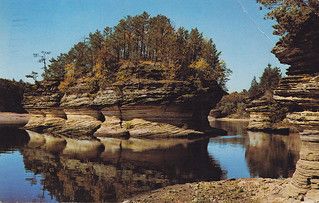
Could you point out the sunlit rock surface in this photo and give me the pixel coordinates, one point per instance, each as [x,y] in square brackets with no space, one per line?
[267,115]
[139,128]
[260,114]
[300,92]
[144,106]
[42,101]
[81,122]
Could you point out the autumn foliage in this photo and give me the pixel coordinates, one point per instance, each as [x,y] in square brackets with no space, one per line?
[153,42]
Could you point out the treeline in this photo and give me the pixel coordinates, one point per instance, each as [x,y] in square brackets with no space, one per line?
[11,95]
[235,104]
[182,54]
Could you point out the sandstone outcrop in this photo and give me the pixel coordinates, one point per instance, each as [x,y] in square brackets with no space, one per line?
[141,107]
[260,114]
[42,102]
[299,91]
[266,115]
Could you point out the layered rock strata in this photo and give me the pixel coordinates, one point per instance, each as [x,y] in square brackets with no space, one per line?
[260,114]
[42,102]
[136,108]
[300,92]
[266,115]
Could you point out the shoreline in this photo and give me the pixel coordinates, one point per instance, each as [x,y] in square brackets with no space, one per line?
[228,119]
[13,119]
[230,190]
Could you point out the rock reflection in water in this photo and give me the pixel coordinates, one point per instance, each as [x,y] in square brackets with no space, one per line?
[254,154]
[12,138]
[272,156]
[120,171]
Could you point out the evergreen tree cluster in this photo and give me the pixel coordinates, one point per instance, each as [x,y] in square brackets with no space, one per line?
[141,39]
[269,81]
[290,15]
[235,104]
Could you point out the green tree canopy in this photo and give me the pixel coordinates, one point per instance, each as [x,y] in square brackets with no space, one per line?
[269,81]
[290,14]
[142,39]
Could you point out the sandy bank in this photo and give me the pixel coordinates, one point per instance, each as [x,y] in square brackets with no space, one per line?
[240,190]
[228,119]
[8,118]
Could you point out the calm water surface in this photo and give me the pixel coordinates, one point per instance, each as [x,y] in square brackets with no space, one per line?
[30,173]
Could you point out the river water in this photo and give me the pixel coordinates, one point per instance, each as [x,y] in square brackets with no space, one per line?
[31,173]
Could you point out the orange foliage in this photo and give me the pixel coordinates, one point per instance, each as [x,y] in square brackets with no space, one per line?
[68,77]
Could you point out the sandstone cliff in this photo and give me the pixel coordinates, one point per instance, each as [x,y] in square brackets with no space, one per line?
[299,92]
[144,106]
[267,115]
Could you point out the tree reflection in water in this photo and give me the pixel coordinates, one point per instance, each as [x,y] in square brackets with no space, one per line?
[119,174]
[113,170]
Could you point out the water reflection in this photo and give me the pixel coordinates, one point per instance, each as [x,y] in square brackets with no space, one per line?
[12,138]
[112,173]
[272,156]
[43,167]
[254,154]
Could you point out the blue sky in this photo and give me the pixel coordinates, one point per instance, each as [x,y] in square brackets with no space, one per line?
[236,26]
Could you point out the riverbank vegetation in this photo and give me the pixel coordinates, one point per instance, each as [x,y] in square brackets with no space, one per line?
[11,95]
[234,105]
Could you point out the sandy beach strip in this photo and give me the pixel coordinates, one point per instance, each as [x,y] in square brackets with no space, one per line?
[9,118]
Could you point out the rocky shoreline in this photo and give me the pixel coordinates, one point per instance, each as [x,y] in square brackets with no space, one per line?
[239,190]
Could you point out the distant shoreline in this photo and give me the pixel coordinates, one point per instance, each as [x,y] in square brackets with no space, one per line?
[228,119]
[10,119]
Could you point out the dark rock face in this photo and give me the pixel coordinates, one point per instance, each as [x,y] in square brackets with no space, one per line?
[301,52]
[177,107]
